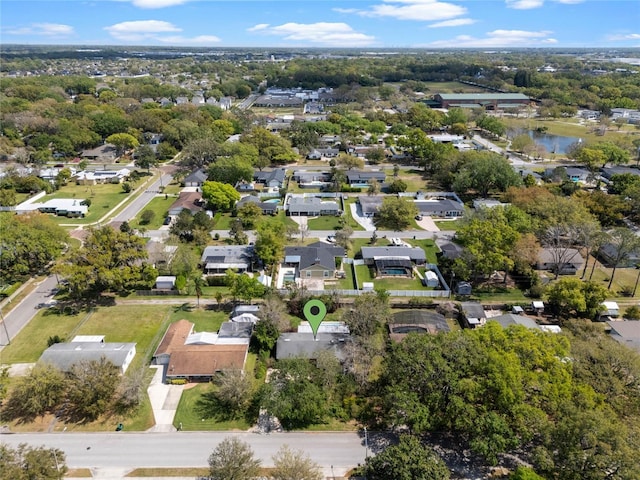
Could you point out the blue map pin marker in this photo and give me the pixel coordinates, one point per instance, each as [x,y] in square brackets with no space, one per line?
[314,311]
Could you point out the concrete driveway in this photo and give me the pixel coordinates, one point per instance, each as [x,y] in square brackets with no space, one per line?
[164,401]
[428,224]
[364,222]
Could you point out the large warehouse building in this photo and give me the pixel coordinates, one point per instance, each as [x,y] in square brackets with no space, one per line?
[487,101]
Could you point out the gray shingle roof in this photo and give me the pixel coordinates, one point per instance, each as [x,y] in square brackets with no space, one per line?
[320,254]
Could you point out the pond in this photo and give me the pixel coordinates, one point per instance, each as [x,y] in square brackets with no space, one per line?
[553,143]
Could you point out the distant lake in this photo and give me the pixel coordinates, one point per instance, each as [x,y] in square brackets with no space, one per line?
[553,143]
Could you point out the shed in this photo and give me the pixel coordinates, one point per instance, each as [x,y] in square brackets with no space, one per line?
[165,282]
[430,279]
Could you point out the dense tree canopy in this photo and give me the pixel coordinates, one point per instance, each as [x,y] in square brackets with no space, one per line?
[499,389]
[108,261]
[29,243]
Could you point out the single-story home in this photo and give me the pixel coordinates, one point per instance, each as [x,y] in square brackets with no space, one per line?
[609,172]
[67,207]
[270,178]
[509,319]
[370,204]
[191,201]
[318,153]
[355,177]
[473,315]
[626,332]
[217,259]
[195,178]
[64,355]
[445,208]
[317,260]
[311,179]
[415,254]
[311,206]
[608,253]
[304,345]
[268,208]
[102,176]
[103,153]
[199,356]
[449,250]
[564,261]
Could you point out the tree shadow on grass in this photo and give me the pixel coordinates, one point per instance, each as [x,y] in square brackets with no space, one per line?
[185,307]
[208,406]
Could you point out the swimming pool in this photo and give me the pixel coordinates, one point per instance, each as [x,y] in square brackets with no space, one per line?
[272,200]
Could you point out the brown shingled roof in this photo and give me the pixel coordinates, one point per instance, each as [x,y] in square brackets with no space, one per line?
[205,360]
[174,337]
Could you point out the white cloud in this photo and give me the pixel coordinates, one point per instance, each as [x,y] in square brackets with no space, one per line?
[457,22]
[345,10]
[524,4]
[157,3]
[199,40]
[570,2]
[622,37]
[498,38]
[422,10]
[138,30]
[46,29]
[321,33]
[256,28]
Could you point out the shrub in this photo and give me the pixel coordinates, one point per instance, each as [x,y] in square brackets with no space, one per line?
[178,381]
[216,281]
[216,236]
[632,313]
[147,217]
[54,339]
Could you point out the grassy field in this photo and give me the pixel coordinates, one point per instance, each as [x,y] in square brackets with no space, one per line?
[412,176]
[429,247]
[325,222]
[159,206]
[204,320]
[143,324]
[29,344]
[104,198]
[447,224]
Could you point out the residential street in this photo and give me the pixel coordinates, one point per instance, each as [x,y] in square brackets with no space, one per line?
[122,451]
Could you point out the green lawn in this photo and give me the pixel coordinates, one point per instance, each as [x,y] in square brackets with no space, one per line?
[347,282]
[364,275]
[143,324]
[222,221]
[204,320]
[325,222]
[198,410]
[104,198]
[29,344]
[429,247]
[160,207]
[347,209]
[447,224]
[413,177]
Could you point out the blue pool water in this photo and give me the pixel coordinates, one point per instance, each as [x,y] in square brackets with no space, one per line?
[272,200]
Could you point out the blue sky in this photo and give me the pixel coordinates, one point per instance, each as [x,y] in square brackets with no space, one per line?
[324,23]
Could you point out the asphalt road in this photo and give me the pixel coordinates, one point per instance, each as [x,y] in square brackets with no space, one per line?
[189,449]
[137,204]
[21,314]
